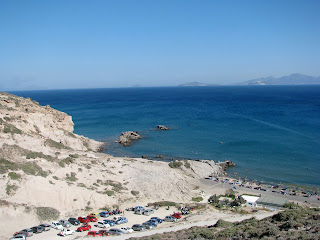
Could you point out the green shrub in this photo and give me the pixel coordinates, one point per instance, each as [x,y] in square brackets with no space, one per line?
[8,128]
[14,176]
[163,204]
[47,213]
[175,164]
[54,144]
[11,188]
[134,193]
[71,177]
[31,168]
[55,177]
[34,155]
[109,192]
[6,165]
[222,223]
[116,186]
[197,199]
[187,164]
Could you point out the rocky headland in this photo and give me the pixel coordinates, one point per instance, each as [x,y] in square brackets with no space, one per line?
[49,172]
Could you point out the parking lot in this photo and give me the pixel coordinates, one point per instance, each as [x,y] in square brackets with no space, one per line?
[133,218]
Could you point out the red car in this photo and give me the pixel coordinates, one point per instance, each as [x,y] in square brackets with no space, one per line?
[176,215]
[94,234]
[85,227]
[92,218]
[83,219]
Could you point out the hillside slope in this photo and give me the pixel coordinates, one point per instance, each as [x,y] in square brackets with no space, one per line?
[48,172]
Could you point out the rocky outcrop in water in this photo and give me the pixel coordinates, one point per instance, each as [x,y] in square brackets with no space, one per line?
[226,164]
[127,137]
[162,128]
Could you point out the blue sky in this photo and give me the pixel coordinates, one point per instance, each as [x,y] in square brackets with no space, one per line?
[102,43]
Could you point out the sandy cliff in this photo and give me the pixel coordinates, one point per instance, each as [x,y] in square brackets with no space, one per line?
[44,165]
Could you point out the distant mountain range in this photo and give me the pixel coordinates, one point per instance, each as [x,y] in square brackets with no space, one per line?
[293,79]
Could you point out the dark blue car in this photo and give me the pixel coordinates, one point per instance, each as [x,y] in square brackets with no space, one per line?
[159,220]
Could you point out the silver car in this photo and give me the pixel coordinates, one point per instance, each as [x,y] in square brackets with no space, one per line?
[115,231]
[28,232]
[65,223]
[147,212]
[170,219]
[19,237]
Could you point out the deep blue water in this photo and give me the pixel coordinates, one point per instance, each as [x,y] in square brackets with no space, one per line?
[271,132]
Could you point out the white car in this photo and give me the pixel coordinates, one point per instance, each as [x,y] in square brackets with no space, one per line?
[126,229]
[18,237]
[66,232]
[56,225]
[102,225]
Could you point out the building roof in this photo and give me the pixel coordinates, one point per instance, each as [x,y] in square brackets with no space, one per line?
[251,199]
[272,200]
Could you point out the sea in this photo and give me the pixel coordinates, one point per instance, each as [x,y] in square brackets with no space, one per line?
[272,133]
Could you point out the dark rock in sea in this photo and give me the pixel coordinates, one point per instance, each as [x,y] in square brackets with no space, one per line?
[162,128]
[226,164]
[160,156]
[144,156]
[127,137]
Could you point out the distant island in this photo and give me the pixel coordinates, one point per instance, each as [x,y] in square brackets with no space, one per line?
[196,84]
[293,79]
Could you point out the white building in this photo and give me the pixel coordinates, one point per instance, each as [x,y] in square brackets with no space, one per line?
[251,201]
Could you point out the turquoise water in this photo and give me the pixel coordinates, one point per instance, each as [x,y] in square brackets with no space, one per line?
[272,133]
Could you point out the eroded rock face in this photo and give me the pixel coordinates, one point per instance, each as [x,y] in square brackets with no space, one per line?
[162,128]
[127,137]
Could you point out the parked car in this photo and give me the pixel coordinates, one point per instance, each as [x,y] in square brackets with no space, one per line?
[45,226]
[104,214]
[85,227]
[110,222]
[37,229]
[94,234]
[115,231]
[74,221]
[56,225]
[92,218]
[66,232]
[19,237]
[138,227]
[28,232]
[95,214]
[170,219]
[148,225]
[102,224]
[156,219]
[65,223]
[126,229]
[104,232]
[122,220]
[20,233]
[152,222]
[147,212]
[83,219]
[176,215]
[138,208]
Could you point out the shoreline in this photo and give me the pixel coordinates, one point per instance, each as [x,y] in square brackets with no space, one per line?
[165,158]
